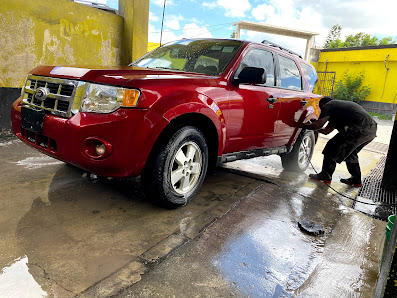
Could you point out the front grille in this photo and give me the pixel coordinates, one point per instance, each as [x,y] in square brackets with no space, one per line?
[39,140]
[58,101]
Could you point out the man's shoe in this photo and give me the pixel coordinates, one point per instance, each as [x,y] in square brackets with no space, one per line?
[321,177]
[351,181]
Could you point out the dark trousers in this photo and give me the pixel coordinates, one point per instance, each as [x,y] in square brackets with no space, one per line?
[345,146]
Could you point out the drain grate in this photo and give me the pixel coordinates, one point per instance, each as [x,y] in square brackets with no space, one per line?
[372,190]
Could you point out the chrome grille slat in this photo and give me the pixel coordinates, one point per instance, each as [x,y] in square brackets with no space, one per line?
[60,99]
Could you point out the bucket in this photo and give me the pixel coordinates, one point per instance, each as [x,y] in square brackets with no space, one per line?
[389,227]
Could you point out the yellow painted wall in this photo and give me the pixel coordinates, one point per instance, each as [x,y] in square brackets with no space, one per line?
[60,32]
[372,61]
[135,31]
[152,45]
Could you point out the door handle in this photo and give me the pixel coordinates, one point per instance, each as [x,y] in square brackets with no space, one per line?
[303,102]
[272,99]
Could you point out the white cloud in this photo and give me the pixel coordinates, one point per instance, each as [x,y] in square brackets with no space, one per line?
[153,17]
[368,16]
[167,36]
[210,5]
[287,14]
[261,12]
[161,2]
[233,8]
[297,45]
[172,22]
[192,30]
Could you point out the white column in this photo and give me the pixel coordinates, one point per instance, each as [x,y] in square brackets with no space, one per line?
[309,44]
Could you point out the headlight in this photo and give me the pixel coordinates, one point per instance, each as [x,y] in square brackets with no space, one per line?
[107,99]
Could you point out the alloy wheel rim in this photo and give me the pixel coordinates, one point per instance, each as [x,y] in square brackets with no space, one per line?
[186,168]
[305,150]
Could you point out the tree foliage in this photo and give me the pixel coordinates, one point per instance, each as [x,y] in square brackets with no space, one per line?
[350,88]
[360,39]
[333,36]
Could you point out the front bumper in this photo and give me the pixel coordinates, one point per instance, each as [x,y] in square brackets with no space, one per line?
[131,133]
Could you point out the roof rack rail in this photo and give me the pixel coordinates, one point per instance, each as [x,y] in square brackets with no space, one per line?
[272,44]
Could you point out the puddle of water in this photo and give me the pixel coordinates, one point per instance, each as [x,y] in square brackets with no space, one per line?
[16,281]
[285,262]
[38,162]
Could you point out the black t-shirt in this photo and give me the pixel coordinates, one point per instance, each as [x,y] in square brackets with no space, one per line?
[344,115]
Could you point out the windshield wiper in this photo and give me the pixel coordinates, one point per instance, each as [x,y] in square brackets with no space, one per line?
[161,67]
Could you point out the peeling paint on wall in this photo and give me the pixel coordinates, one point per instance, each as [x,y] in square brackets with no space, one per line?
[69,29]
[61,32]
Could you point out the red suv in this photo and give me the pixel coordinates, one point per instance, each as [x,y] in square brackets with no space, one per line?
[168,116]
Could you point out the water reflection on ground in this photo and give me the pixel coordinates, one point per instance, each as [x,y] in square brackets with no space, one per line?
[16,281]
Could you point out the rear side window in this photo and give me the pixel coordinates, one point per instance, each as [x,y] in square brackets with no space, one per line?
[290,77]
[310,75]
[261,59]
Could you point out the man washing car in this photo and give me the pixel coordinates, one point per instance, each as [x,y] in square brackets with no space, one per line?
[356,129]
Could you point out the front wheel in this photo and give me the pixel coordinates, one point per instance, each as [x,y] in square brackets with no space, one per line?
[178,168]
[299,158]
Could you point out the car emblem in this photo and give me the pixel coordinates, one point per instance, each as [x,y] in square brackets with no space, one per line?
[41,93]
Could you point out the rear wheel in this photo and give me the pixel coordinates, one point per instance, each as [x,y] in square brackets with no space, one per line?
[178,167]
[299,158]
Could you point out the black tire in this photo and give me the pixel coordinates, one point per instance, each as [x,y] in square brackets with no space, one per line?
[171,175]
[299,158]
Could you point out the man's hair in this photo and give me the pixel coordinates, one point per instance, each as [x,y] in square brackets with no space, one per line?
[324,100]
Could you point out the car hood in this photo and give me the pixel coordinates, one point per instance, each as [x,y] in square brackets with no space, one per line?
[118,75]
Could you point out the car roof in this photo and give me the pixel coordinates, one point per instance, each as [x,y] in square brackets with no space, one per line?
[264,42]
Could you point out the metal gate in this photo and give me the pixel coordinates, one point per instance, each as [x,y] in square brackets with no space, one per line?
[327,81]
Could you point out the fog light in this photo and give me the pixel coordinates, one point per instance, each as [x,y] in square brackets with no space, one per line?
[96,148]
[100,149]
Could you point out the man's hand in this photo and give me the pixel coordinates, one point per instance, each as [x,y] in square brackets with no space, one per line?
[317,124]
[326,130]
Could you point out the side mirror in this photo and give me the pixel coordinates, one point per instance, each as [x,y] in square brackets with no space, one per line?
[251,75]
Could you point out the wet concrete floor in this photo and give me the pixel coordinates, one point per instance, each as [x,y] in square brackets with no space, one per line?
[258,249]
[63,234]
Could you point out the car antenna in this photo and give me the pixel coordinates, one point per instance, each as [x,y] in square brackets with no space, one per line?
[162,23]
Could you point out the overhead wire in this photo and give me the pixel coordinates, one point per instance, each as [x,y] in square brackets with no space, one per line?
[162,23]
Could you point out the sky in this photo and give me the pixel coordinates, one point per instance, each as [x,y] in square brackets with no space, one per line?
[215,18]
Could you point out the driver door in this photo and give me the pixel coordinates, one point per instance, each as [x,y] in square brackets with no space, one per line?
[253,108]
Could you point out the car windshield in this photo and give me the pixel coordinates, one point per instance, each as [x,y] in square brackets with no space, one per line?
[207,56]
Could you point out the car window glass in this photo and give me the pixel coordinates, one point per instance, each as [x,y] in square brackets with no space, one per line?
[261,59]
[207,65]
[310,75]
[290,76]
[209,56]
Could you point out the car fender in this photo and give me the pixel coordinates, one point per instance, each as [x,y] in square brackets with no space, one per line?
[206,107]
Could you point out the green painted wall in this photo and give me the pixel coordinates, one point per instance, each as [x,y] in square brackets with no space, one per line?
[379,64]
[55,32]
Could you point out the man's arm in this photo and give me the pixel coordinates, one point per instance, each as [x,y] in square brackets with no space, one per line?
[326,130]
[317,124]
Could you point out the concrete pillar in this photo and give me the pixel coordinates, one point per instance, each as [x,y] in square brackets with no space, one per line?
[389,180]
[237,35]
[135,33]
[309,44]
